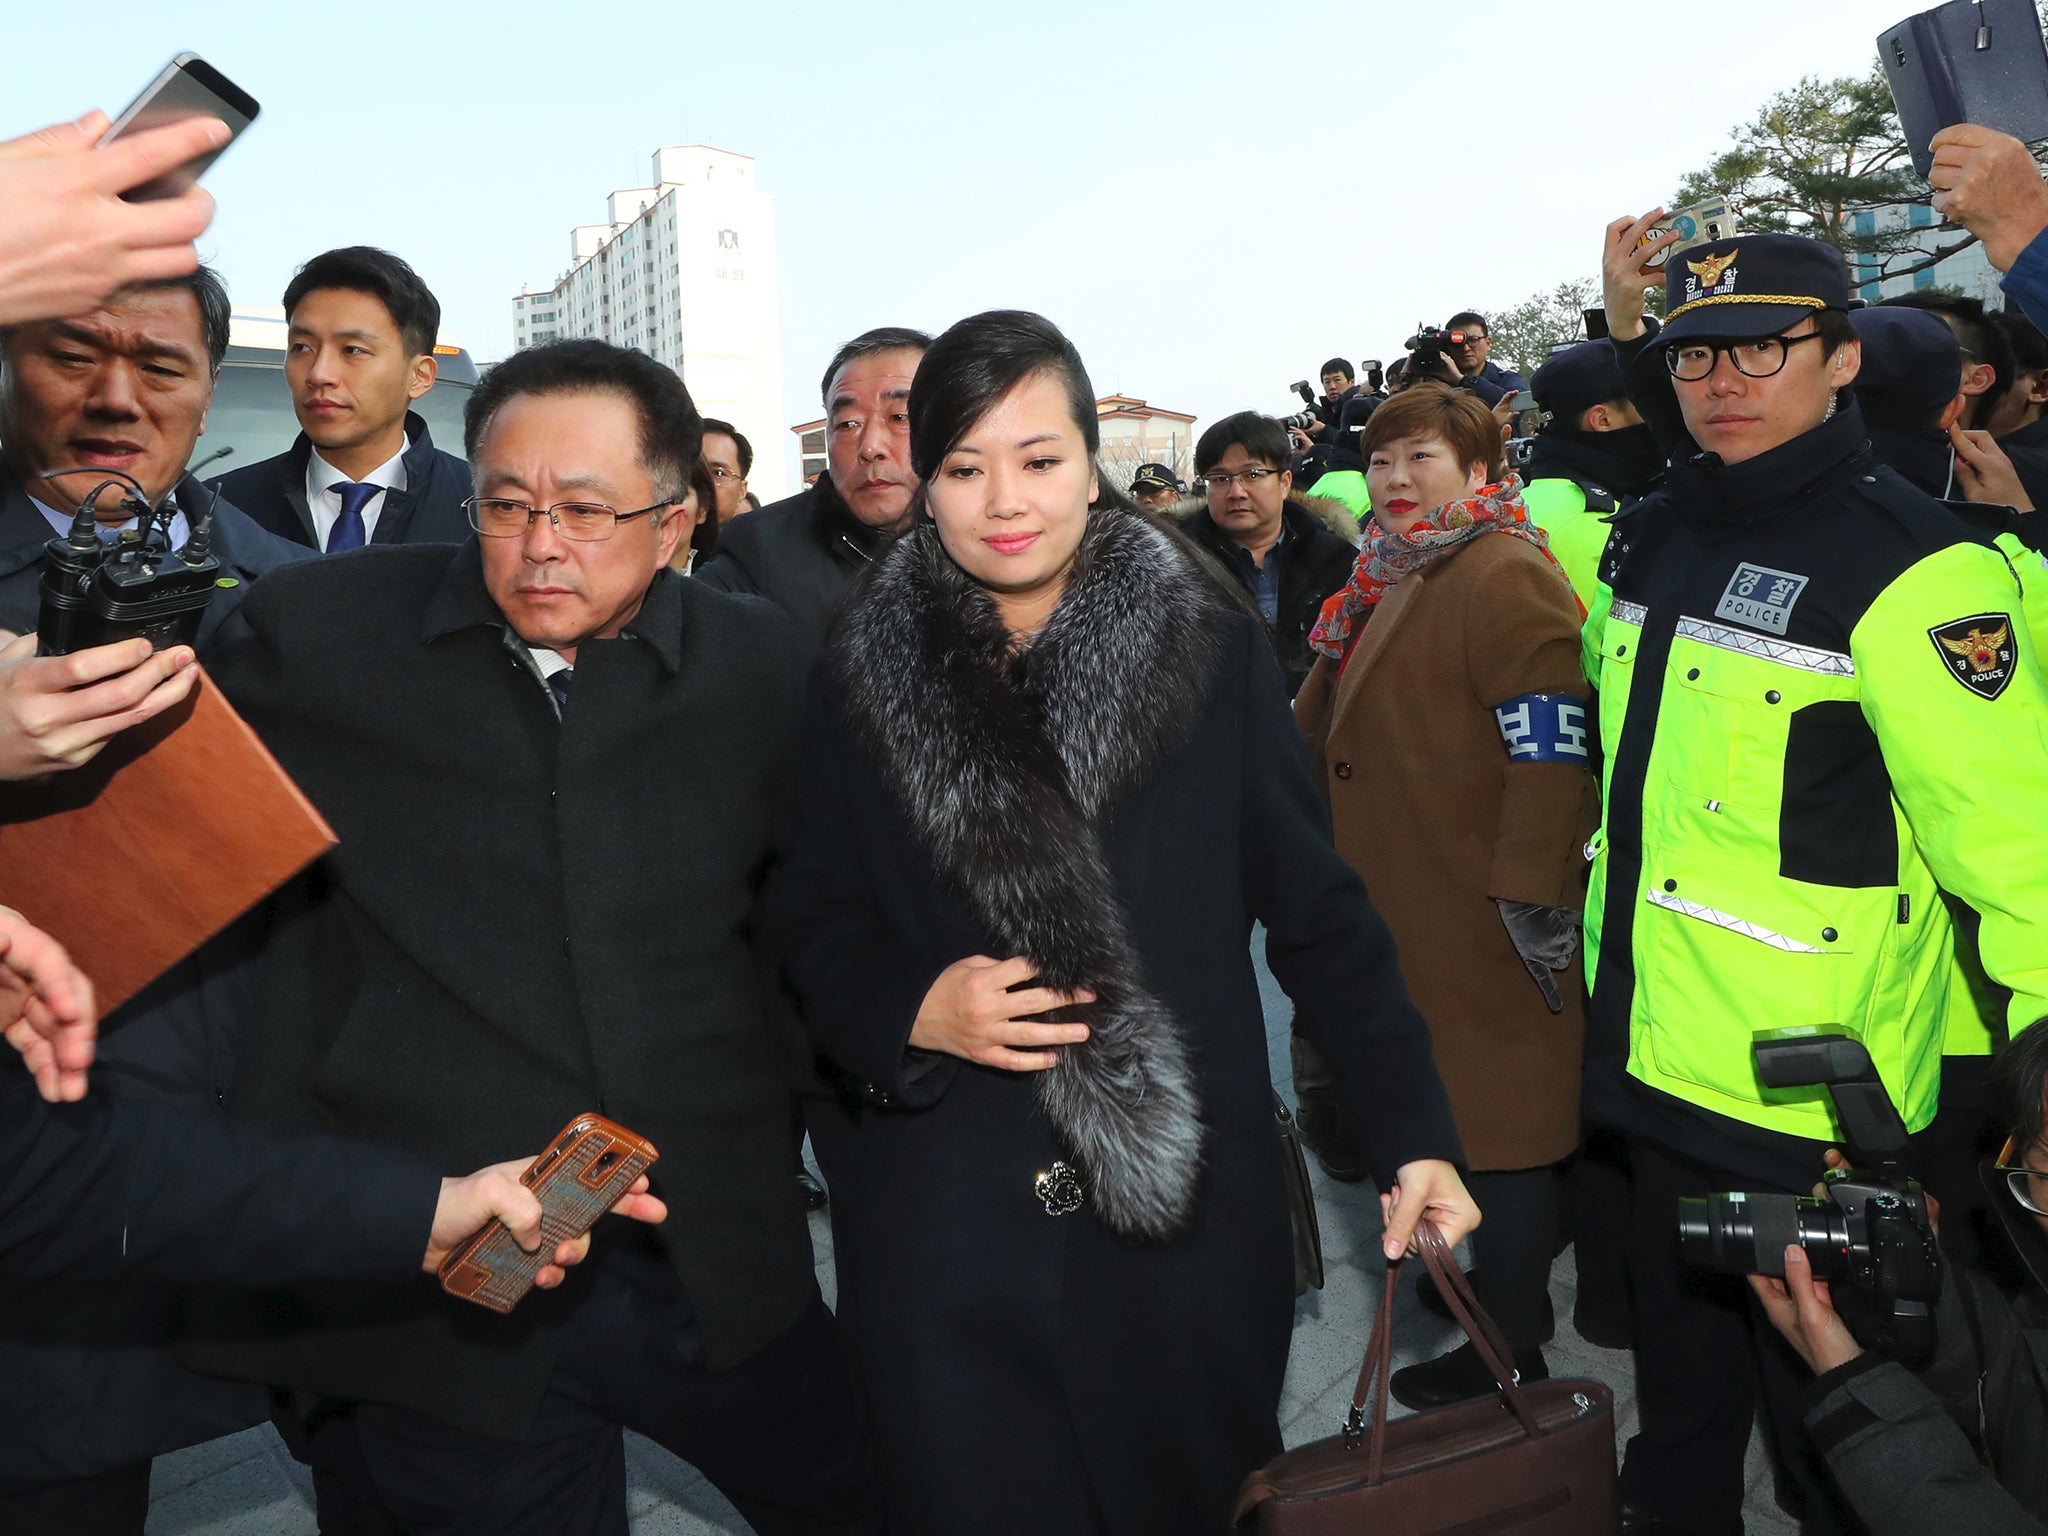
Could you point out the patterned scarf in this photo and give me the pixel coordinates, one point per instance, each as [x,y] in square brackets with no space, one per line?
[1384,558]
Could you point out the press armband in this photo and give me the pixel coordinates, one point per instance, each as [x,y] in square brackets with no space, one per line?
[1543,728]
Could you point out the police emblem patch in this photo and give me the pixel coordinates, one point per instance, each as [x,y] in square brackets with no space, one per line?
[1760,597]
[1979,652]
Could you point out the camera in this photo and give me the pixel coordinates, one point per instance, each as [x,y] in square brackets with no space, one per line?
[1869,1233]
[94,593]
[1301,421]
[1429,344]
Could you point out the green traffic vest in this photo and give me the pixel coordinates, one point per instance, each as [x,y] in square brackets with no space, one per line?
[1577,533]
[1723,945]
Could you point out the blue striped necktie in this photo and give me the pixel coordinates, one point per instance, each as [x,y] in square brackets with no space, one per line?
[347,532]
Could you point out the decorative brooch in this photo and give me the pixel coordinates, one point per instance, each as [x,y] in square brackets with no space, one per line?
[1060,1188]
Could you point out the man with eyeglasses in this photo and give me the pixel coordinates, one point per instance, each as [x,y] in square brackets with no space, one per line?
[730,458]
[1962,1443]
[1472,352]
[530,915]
[1805,668]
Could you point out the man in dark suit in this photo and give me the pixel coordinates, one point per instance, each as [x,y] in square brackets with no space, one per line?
[359,350]
[528,916]
[123,388]
[804,552]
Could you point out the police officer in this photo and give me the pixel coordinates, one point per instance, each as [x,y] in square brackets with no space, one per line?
[1592,455]
[1156,488]
[1823,720]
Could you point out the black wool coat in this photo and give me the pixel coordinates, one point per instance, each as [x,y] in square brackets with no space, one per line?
[803,553]
[527,917]
[1026,1369]
[1314,563]
[428,511]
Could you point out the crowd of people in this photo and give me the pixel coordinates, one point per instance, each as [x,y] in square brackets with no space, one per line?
[932,810]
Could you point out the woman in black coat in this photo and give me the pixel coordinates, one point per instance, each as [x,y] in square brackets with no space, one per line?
[1044,755]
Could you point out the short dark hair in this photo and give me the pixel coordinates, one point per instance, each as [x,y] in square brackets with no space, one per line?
[1430,409]
[385,278]
[966,373]
[1468,317]
[2029,346]
[671,431]
[727,429]
[1338,365]
[2018,1076]
[704,537]
[211,295]
[884,338]
[1261,437]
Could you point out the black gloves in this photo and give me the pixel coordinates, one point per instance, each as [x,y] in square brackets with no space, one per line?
[1545,938]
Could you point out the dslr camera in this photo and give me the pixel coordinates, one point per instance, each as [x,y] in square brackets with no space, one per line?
[1301,421]
[94,593]
[1868,1233]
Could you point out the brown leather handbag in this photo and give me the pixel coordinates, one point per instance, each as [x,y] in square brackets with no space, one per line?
[1537,1460]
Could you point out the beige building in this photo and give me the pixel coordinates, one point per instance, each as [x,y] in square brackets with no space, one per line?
[1134,433]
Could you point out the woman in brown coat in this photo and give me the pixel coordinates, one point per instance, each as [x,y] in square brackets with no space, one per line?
[1446,722]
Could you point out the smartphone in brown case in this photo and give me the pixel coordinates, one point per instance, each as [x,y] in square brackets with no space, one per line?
[586,1168]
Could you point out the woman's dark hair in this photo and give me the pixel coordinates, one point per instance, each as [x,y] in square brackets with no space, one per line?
[671,431]
[704,537]
[966,373]
[2018,1078]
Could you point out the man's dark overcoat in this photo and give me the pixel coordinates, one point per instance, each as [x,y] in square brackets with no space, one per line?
[1032,1372]
[528,916]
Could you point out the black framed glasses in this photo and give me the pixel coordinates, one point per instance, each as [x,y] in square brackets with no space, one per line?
[588,522]
[2029,1186]
[1755,357]
[1250,478]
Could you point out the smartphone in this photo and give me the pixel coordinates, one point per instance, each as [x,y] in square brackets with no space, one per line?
[1710,220]
[1522,400]
[1596,324]
[188,86]
[591,1162]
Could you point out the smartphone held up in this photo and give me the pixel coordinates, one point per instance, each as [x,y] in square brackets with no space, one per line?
[186,87]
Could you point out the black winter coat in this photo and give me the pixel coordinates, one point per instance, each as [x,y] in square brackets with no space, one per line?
[528,916]
[1029,1372]
[803,553]
[427,511]
[1313,563]
[93,1383]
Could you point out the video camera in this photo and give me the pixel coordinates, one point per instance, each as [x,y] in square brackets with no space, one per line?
[1870,1234]
[1301,421]
[94,593]
[1430,342]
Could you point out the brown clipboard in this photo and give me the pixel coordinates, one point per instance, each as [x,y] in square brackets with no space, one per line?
[176,829]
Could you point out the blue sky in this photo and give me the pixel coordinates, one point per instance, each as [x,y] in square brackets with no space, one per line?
[1210,199]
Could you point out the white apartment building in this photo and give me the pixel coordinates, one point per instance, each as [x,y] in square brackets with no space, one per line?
[683,270]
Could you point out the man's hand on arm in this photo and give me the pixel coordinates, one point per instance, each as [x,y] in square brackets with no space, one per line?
[68,240]
[495,1194]
[1625,273]
[1987,182]
[48,1004]
[57,712]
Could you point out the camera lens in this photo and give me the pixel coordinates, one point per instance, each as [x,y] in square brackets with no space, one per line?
[1747,1234]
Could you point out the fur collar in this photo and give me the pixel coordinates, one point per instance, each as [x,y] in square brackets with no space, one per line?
[1005,767]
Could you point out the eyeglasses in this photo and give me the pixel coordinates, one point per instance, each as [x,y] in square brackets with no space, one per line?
[588,522]
[2022,1181]
[1757,358]
[720,472]
[1249,478]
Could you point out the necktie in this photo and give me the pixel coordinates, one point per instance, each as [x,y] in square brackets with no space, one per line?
[558,685]
[347,532]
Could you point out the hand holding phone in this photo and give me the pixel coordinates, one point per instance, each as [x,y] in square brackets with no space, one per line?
[185,88]
[587,1169]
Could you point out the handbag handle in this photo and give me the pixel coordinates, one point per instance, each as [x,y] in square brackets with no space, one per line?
[1378,1366]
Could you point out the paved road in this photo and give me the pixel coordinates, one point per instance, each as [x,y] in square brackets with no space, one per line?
[246,1485]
